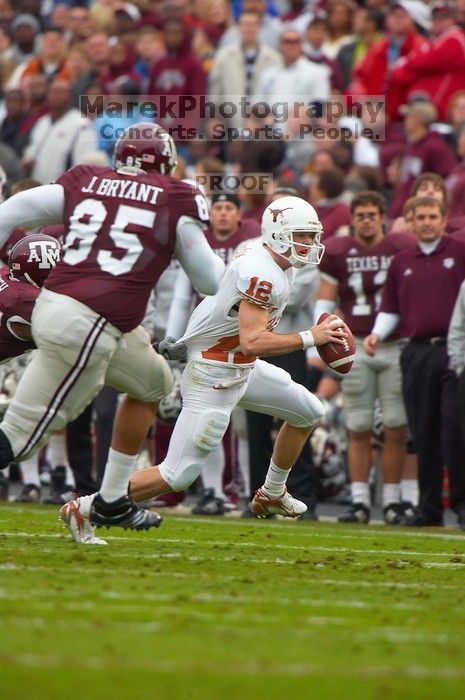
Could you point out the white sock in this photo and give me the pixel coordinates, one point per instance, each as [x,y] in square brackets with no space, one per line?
[409,491]
[360,491]
[275,481]
[391,494]
[118,470]
[243,459]
[57,454]
[85,503]
[30,470]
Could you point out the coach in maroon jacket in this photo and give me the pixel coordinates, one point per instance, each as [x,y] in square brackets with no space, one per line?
[421,288]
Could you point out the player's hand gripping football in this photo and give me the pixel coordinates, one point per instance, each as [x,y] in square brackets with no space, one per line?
[331,330]
[171,349]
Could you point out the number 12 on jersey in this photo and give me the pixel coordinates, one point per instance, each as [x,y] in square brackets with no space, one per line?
[259,290]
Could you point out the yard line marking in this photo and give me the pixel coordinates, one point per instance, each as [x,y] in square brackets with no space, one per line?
[392,634]
[9,566]
[248,668]
[303,602]
[263,545]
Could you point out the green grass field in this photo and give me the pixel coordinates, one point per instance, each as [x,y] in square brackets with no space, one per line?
[230,608]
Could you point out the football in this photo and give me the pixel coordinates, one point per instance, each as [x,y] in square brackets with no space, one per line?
[338,357]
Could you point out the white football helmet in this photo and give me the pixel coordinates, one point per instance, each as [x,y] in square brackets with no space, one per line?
[282,219]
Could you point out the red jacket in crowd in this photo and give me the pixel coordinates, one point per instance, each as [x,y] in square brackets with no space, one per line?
[437,68]
[371,72]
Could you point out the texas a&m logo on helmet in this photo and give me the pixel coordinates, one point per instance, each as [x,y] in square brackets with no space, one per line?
[33,257]
[146,147]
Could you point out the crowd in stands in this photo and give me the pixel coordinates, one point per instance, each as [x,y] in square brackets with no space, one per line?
[397,68]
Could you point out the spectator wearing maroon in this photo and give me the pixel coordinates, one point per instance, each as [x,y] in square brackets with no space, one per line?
[368,26]
[370,74]
[326,189]
[421,288]
[455,183]
[121,67]
[99,50]
[426,151]
[36,89]
[438,70]
[177,73]
[315,36]
[425,185]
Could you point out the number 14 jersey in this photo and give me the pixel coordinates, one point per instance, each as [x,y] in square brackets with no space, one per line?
[212,334]
[360,272]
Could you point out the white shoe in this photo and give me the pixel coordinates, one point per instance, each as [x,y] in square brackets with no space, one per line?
[262,505]
[82,531]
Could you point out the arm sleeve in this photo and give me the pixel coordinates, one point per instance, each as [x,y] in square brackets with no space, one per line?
[385,324]
[38,206]
[199,262]
[323,306]
[456,334]
[180,308]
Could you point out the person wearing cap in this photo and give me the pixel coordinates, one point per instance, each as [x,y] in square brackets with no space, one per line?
[25,34]
[370,74]
[439,68]
[427,151]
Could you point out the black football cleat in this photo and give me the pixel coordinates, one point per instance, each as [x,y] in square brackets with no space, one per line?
[357,513]
[208,504]
[393,514]
[122,513]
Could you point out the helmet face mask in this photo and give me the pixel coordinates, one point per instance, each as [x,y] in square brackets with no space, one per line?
[33,257]
[286,218]
[145,148]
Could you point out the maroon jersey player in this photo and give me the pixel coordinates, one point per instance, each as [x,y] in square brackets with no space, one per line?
[359,272]
[354,271]
[123,226]
[30,261]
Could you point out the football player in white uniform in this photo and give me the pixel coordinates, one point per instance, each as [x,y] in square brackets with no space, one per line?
[225,335]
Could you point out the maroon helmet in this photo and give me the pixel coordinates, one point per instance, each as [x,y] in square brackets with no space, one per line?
[146,147]
[32,258]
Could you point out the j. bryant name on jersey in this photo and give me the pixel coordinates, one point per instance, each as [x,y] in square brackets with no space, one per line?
[139,191]
[369,263]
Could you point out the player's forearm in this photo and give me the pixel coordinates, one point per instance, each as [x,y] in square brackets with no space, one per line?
[35,207]
[266,343]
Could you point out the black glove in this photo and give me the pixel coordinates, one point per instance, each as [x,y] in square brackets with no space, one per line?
[171,349]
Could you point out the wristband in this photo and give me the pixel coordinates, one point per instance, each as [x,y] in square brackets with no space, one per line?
[308,341]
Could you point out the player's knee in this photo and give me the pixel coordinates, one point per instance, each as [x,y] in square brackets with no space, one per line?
[211,428]
[394,417]
[359,421]
[312,412]
[185,475]
[6,452]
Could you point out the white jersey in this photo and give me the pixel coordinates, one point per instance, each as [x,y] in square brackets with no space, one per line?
[212,334]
